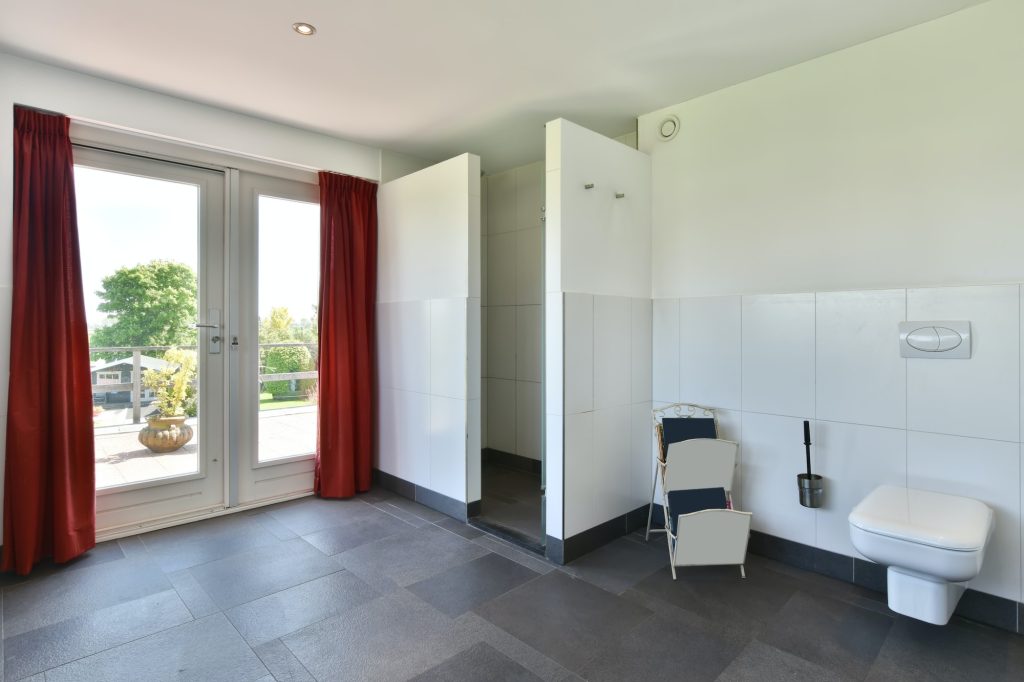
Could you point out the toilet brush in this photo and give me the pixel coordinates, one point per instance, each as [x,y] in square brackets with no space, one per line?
[811,486]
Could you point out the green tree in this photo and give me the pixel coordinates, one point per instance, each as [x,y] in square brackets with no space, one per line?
[280,327]
[153,304]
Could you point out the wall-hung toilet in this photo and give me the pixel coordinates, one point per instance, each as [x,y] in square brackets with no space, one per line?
[932,543]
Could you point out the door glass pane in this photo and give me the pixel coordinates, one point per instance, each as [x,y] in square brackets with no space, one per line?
[289,281]
[139,241]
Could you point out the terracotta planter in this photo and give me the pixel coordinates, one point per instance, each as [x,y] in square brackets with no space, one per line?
[165,434]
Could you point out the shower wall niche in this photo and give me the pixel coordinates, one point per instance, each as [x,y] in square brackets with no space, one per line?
[512,310]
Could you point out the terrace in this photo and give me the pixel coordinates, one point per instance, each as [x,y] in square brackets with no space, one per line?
[286,428]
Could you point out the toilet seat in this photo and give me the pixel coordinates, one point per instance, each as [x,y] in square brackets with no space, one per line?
[922,517]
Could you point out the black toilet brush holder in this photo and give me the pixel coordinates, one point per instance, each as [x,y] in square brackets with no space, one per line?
[811,486]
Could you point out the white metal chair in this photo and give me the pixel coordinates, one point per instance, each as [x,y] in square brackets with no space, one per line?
[710,536]
[677,410]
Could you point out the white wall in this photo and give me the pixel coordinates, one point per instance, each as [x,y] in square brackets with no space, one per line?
[513,260]
[597,329]
[851,181]
[898,162]
[769,361]
[428,330]
[93,99]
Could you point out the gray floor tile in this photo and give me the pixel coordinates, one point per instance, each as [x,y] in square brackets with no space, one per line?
[836,635]
[958,651]
[528,559]
[199,603]
[760,663]
[276,528]
[53,645]
[391,638]
[312,514]
[719,593]
[250,575]
[512,499]
[68,594]
[568,619]
[207,650]
[619,565]
[415,508]
[459,528]
[281,662]
[410,556]
[479,663]
[197,543]
[522,653]
[337,539]
[278,614]
[133,547]
[660,649]
[467,585]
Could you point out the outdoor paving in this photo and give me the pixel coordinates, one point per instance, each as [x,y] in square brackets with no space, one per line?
[121,459]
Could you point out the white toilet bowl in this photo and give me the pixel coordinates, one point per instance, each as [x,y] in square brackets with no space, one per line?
[932,543]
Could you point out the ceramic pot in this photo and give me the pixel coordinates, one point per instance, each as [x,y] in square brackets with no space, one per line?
[165,434]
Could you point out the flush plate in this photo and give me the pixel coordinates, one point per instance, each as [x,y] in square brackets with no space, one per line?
[949,340]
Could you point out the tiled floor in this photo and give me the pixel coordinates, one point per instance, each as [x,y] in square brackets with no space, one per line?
[380,588]
[511,499]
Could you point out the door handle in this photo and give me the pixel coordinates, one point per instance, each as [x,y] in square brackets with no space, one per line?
[215,339]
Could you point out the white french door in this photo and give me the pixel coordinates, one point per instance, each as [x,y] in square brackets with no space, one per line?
[151,235]
[213,267]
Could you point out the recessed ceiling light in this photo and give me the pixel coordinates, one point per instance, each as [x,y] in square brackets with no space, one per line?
[304,29]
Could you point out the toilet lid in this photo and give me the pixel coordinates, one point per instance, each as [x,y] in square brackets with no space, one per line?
[924,517]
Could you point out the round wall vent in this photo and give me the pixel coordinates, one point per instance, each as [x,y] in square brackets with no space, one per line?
[668,128]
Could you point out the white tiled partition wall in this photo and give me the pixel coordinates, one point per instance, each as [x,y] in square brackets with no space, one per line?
[513,310]
[771,361]
[428,328]
[597,331]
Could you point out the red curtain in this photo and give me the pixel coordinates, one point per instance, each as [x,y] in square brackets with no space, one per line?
[347,335]
[49,484]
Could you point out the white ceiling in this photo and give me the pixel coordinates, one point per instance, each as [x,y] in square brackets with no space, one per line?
[435,78]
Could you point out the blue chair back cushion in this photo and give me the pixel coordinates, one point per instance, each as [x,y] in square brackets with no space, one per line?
[689,501]
[678,429]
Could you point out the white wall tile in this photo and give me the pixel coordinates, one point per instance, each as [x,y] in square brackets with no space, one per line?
[483,341]
[484,442]
[860,376]
[529,342]
[665,342]
[580,482]
[475,247]
[404,435]
[978,397]
[772,457]
[474,348]
[529,195]
[501,341]
[985,470]
[578,360]
[641,468]
[612,359]
[554,350]
[778,354]
[528,419]
[474,444]
[611,351]
[529,267]
[501,415]
[501,202]
[854,460]
[554,456]
[448,431]
[730,427]
[483,270]
[640,349]
[709,351]
[501,269]
[553,232]
[403,345]
[449,352]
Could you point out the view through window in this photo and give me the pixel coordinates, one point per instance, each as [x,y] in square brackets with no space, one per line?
[139,241]
[289,281]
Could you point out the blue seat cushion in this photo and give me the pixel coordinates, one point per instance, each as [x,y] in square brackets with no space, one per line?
[678,429]
[698,499]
